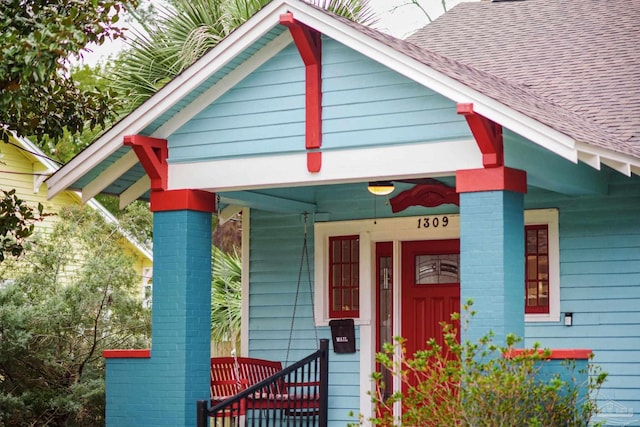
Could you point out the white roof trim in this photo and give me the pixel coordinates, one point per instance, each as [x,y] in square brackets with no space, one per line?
[109,175]
[260,24]
[595,156]
[338,166]
[166,97]
[545,136]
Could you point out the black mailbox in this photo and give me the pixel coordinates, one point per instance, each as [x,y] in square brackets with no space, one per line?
[344,335]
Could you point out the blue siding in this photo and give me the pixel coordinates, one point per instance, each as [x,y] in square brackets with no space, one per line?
[364,104]
[276,250]
[600,285]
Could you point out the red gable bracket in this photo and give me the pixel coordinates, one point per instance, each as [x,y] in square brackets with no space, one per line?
[488,135]
[152,153]
[308,42]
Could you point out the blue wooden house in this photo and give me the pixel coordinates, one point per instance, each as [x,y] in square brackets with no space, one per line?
[508,136]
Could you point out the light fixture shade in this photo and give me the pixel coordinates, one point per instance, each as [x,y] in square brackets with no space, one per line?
[381,188]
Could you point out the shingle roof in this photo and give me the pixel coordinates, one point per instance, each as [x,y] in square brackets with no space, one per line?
[572,64]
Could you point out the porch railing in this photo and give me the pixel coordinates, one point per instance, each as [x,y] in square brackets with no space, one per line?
[295,396]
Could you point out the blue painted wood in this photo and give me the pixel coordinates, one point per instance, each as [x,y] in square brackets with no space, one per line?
[276,248]
[364,104]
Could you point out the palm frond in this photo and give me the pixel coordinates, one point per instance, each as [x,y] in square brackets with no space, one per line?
[226,296]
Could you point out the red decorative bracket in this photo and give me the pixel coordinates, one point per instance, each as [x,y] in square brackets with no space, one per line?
[308,42]
[427,195]
[488,135]
[152,153]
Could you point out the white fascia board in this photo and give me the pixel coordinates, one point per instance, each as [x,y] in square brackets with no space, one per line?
[338,166]
[623,163]
[165,98]
[164,131]
[533,130]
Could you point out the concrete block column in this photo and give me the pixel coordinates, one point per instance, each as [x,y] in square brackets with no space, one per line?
[492,250]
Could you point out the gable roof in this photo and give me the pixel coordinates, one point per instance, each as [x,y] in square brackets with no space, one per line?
[540,119]
[578,57]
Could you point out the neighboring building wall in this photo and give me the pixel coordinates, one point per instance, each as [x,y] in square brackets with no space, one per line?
[19,170]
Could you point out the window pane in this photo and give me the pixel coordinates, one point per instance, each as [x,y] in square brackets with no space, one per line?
[337,303]
[335,277]
[532,294]
[346,251]
[336,253]
[532,267]
[532,242]
[542,241]
[543,267]
[355,250]
[346,275]
[543,289]
[355,299]
[346,300]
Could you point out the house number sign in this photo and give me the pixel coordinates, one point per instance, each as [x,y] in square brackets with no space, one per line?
[433,221]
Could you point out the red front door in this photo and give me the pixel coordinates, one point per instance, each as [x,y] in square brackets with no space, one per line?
[430,289]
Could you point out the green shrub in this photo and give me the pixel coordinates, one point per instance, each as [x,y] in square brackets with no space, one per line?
[472,384]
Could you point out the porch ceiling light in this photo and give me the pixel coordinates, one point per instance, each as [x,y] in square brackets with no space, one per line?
[381,188]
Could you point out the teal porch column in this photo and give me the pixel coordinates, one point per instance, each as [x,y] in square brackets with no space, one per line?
[162,390]
[492,250]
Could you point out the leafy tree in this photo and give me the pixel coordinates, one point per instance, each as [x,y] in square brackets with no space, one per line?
[70,142]
[37,40]
[17,221]
[186,29]
[73,296]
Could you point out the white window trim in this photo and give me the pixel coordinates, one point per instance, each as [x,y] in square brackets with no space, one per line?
[550,218]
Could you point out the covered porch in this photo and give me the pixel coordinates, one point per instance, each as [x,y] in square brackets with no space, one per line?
[288,121]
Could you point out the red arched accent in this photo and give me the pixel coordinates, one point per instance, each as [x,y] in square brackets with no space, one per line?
[427,195]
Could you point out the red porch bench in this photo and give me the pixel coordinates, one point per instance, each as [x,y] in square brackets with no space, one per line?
[230,376]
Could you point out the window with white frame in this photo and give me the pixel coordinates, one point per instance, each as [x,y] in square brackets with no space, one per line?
[542,266]
[343,255]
